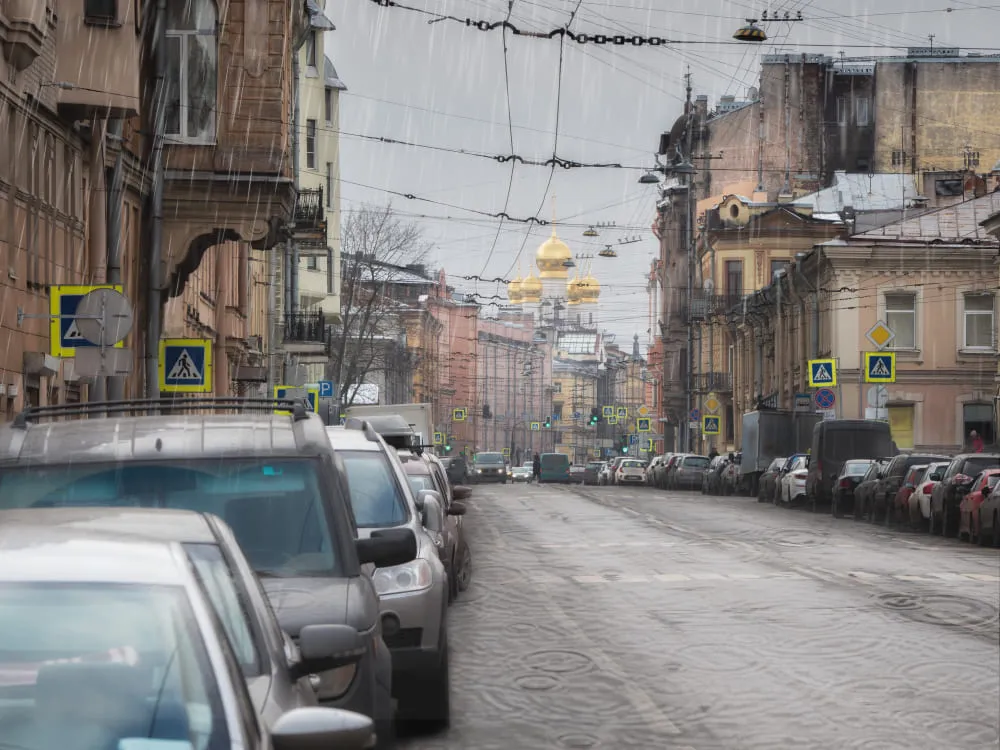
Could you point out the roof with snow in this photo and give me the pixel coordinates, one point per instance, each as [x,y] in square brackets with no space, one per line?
[864,193]
[956,224]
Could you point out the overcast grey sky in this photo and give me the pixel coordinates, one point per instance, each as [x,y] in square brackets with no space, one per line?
[443,84]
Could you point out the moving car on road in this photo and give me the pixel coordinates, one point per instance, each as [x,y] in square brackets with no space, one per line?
[576,473]
[488,467]
[274,478]
[555,468]
[457,468]
[521,473]
[592,472]
[631,471]
[111,641]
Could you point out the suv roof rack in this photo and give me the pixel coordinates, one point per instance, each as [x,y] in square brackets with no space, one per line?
[144,407]
[356,423]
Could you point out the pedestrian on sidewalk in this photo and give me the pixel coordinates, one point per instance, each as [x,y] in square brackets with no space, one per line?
[536,468]
[978,446]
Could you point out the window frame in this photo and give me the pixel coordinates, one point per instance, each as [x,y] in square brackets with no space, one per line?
[896,344]
[311,44]
[183,37]
[329,184]
[965,315]
[107,18]
[862,105]
[311,153]
[328,104]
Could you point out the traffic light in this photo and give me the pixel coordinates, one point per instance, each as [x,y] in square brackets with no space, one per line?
[447,447]
[548,421]
[595,416]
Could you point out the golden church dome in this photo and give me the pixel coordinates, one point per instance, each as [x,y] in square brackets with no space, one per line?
[531,289]
[590,288]
[514,292]
[574,291]
[551,256]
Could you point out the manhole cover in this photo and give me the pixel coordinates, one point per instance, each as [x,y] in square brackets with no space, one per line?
[941,609]
[559,662]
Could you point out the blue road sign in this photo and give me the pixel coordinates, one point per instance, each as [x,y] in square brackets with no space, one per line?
[326,389]
[577,415]
[825,398]
[711,425]
[643,424]
[880,367]
[633,439]
[64,332]
[185,366]
[695,415]
[312,395]
[822,372]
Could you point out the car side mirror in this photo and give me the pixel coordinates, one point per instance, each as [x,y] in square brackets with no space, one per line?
[325,647]
[457,508]
[432,516]
[387,547]
[461,492]
[935,477]
[312,727]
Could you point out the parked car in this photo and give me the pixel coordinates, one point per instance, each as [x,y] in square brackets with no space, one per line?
[671,469]
[836,441]
[955,485]
[989,518]
[489,467]
[457,468]
[767,485]
[865,488]
[853,473]
[688,472]
[592,472]
[576,473]
[651,468]
[793,481]
[920,500]
[898,508]
[413,596]
[117,646]
[660,471]
[273,478]
[631,471]
[522,473]
[604,476]
[891,479]
[711,483]
[613,468]
[969,522]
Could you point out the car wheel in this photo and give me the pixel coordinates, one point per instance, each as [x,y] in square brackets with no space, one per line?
[465,568]
[835,506]
[945,526]
[996,528]
[433,701]
[932,523]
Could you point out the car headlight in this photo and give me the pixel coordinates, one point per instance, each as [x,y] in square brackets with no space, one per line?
[479,471]
[399,579]
[333,683]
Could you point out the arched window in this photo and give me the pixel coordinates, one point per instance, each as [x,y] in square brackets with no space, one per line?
[192,70]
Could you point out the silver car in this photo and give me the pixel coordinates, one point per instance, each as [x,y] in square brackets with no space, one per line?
[413,597]
[111,641]
[274,478]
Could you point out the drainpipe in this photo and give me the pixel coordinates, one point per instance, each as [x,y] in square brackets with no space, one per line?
[98,229]
[779,332]
[154,309]
[116,195]
[296,142]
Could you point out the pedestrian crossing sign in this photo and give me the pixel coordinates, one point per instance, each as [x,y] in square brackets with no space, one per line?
[291,391]
[536,426]
[458,415]
[880,367]
[64,333]
[607,411]
[643,424]
[710,425]
[622,412]
[612,420]
[185,366]
[438,438]
[822,373]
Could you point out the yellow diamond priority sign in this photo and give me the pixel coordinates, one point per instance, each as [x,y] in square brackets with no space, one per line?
[880,335]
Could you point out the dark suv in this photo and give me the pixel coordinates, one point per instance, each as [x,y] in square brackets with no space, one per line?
[268,470]
[891,478]
[489,467]
[955,485]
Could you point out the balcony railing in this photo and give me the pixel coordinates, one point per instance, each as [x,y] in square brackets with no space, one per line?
[719,382]
[703,306]
[305,327]
[310,217]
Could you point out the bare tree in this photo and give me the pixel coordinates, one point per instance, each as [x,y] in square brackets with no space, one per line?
[376,246]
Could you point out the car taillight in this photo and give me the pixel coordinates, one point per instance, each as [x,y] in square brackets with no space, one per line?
[844,483]
[927,488]
[800,474]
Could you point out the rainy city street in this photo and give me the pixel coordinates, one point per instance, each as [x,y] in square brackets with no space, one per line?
[606,617]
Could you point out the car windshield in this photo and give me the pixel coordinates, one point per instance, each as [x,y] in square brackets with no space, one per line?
[84,666]
[696,462]
[593,465]
[973,466]
[856,468]
[489,458]
[275,507]
[375,496]
[633,465]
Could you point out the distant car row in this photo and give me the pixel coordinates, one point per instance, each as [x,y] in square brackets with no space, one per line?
[354,546]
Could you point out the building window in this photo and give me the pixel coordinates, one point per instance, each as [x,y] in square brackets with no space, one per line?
[861,114]
[901,317]
[329,184]
[979,313]
[841,110]
[311,50]
[778,265]
[312,263]
[734,279]
[192,69]
[100,11]
[328,105]
[310,144]
[898,157]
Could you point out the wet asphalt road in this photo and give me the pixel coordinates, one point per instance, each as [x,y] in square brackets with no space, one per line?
[632,618]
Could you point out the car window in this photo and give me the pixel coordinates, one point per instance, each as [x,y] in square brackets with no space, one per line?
[276,507]
[375,496]
[138,652]
[419,482]
[488,458]
[973,466]
[229,604]
[856,468]
[443,485]
[695,462]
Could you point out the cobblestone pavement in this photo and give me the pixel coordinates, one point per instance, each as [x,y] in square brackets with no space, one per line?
[633,618]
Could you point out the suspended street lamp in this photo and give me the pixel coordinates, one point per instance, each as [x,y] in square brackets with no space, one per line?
[649,179]
[590,232]
[608,252]
[751,32]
